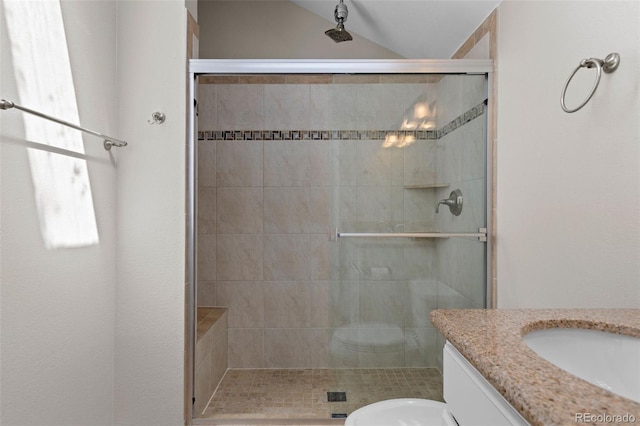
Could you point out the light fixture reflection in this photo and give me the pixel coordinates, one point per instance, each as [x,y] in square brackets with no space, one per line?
[420,116]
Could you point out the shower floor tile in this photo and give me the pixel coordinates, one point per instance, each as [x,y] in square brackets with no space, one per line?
[302,393]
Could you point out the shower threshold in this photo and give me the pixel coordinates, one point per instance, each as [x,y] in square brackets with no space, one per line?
[301,396]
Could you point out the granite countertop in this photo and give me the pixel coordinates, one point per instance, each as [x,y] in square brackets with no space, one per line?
[491,339]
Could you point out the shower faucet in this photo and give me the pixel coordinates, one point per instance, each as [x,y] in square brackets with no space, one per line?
[454,202]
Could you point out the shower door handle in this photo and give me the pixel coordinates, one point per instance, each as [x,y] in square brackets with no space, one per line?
[481,235]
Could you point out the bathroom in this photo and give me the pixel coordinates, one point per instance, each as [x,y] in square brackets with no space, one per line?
[95,335]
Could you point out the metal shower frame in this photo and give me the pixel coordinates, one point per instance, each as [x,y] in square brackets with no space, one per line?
[199,67]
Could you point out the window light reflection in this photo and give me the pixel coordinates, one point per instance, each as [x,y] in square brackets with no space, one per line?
[44,82]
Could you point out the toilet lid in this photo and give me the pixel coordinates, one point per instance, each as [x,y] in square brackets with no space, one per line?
[402,412]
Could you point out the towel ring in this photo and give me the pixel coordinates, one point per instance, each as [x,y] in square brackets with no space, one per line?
[608,65]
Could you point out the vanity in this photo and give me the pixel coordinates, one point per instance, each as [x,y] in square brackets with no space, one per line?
[492,369]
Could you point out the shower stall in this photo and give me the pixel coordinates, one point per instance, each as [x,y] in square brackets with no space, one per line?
[333,205]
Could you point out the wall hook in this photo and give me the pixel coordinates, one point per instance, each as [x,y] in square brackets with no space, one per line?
[157,118]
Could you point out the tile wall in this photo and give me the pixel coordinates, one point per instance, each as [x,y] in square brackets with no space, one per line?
[460,161]
[280,165]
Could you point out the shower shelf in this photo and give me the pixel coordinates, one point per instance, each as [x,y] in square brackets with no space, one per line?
[427,186]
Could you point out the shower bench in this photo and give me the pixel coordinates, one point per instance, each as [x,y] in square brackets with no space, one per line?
[211,353]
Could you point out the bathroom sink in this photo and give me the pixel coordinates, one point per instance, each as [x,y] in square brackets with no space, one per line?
[608,360]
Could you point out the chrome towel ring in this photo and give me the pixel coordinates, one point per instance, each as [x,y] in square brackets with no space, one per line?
[608,65]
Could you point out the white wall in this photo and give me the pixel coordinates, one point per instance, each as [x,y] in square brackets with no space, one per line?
[85,341]
[568,184]
[275,29]
[58,304]
[151,214]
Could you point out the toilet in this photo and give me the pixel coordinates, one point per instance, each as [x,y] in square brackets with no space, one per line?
[367,344]
[402,412]
[370,343]
[470,398]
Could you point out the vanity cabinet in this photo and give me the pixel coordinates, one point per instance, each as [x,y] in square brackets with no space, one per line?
[470,397]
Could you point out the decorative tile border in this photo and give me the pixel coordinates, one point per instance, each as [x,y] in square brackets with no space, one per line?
[463,119]
[284,135]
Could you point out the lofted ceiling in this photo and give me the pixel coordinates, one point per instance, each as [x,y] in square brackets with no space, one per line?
[414,29]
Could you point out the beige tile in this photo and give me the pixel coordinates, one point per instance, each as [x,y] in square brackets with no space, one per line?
[344,156]
[286,304]
[207,257]
[322,253]
[373,164]
[240,210]
[344,303]
[219,357]
[421,347]
[320,304]
[290,347]
[286,163]
[207,112]
[320,356]
[239,163]
[419,210]
[343,113]
[218,79]
[239,257]
[202,385]
[405,78]
[240,107]
[245,300]
[383,302]
[206,210]
[420,163]
[380,107]
[286,210]
[309,79]
[422,297]
[356,79]
[207,293]
[374,209]
[419,259]
[203,346]
[286,257]
[246,348]
[279,113]
[382,260]
[207,163]
[319,109]
[261,79]
[320,171]
[320,208]
[220,326]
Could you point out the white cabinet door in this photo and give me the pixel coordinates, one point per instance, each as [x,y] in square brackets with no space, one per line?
[470,398]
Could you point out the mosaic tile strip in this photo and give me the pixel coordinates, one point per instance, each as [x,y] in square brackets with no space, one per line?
[305,135]
[311,135]
[463,119]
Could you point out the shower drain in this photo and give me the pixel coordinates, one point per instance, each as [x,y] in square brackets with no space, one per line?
[336,396]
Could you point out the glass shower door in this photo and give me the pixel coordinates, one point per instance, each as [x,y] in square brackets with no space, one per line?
[416,145]
[286,164]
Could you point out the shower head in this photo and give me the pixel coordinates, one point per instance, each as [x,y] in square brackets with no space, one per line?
[338,33]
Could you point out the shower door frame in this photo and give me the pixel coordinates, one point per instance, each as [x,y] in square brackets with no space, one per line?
[198,67]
